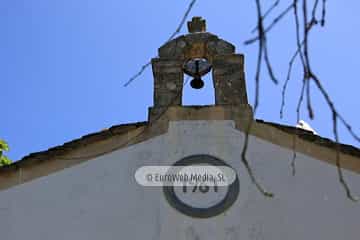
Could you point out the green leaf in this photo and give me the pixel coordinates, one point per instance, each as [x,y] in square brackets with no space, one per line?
[3,145]
[4,161]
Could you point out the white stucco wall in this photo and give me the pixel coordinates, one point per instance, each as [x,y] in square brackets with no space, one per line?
[100,199]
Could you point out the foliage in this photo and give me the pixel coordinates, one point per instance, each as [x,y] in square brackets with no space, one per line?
[4,160]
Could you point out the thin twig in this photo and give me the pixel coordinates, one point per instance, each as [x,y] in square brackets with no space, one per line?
[247,165]
[182,22]
[176,32]
[288,76]
[273,23]
[338,162]
[323,13]
[256,103]
[147,127]
[272,7]
[142,69]
[293,160]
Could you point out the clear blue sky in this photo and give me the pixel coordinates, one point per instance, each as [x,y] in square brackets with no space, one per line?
[63,64]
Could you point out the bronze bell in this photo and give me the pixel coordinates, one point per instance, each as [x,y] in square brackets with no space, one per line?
[197,68]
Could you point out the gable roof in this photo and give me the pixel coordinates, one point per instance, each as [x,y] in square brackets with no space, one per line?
[83,141]
[316,139]
[119,136]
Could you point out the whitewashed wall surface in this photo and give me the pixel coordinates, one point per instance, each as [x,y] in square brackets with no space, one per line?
[100,199]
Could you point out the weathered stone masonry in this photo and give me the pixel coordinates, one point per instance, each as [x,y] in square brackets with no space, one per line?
[227,68]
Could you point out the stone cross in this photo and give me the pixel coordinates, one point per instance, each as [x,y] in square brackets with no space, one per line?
[197,24]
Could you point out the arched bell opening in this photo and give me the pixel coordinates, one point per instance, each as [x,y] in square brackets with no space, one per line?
[198,88]
[214,71]
[202,96]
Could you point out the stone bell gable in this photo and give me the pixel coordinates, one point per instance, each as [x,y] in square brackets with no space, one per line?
[227,67]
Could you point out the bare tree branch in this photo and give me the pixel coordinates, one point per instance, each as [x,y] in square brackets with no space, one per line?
[256,103]
[142,69]
[283,92]
[338,162]
[309,76]
[176,32]
[272,7]
[274,22]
